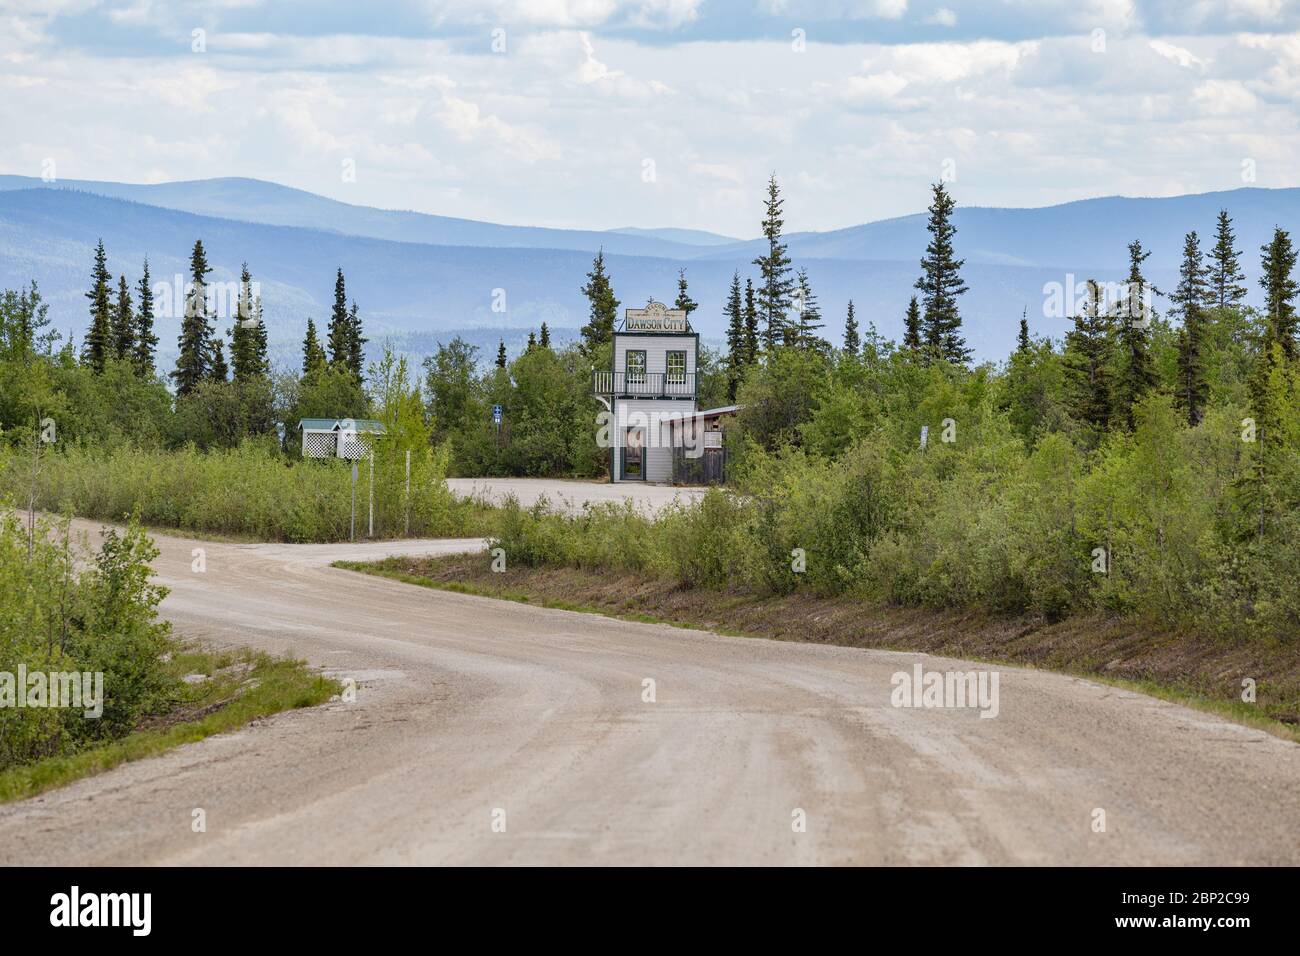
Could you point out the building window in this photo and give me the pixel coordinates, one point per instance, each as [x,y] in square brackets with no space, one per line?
[636,366]
[676,368]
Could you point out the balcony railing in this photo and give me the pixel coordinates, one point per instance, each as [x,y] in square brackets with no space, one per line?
[644,384]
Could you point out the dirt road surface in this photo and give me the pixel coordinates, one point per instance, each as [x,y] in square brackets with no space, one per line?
[492,732]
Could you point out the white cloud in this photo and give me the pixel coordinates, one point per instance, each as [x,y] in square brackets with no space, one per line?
[946,63]
[875,88]
[569,14]
[592,70]
[468,122]
[555,131]
[835,9]
[718,172]
[1184,58]
[1224,98]
[1118,15]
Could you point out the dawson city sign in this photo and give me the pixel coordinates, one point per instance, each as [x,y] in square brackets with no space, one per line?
[655,317]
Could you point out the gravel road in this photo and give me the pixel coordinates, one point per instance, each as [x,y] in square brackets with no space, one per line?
[572,495]
[493,732]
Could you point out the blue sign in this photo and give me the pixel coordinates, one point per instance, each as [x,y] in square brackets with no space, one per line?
[496,414]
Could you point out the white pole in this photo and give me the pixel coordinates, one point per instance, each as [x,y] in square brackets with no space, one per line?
[372,492]
[408,493]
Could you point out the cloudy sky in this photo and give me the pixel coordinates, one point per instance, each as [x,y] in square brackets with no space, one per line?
[605,113]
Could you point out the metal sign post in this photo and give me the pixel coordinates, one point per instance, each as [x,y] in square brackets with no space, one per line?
[407,509]
[352,535]
[372,493]
[496,420]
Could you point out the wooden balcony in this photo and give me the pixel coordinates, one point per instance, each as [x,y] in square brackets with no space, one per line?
[644,384]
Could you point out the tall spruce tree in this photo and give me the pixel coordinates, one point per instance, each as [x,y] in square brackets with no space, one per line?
[98,343]
[775,284]
[602,308]
[219,371]
[940,284]
[804,333]
[338,333]
[1189,299]
[1135,374]
[1023,342]
[852,341]
[195,345]
[1278,267]
[912,326]
[1275,377]
[544,339]
[501,353]
[532,341]
[684,300]
[736,357]
[356,355]
[1225,275]
[146,342]
[1191,390]
[259,337]
[1087,363]
[26,332]
[246,335]
[123,322]
[751,324]
[313,355]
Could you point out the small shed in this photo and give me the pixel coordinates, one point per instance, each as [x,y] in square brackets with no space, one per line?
[699,454]
[338,437]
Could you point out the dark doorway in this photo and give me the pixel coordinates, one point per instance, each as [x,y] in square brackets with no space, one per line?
[634,455]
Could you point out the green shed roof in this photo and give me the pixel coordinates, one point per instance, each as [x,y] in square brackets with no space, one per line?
[336,424]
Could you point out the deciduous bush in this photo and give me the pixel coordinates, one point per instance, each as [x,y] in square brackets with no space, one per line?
[251,490]
[1163,522]
[65,611]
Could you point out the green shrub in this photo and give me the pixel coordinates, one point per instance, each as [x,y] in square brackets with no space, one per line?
[702,544]
[251,490]
[1189,534]
[61,613]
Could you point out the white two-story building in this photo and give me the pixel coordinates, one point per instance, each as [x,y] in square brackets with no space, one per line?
[651,392]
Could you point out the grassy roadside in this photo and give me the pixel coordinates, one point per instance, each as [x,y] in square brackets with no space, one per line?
[240,686]
[1189,669]
[480,519]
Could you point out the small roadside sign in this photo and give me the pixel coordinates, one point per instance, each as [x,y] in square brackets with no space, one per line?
[496,414]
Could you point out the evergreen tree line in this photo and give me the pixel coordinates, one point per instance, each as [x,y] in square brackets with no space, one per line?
[223,389]
[120,327]
[780,309]
[1111,358]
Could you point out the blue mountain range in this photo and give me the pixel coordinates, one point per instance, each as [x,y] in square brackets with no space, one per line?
[420,278]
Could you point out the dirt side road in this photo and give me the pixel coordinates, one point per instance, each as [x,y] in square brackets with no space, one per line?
[473,713]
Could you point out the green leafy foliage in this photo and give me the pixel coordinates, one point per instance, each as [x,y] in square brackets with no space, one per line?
[1011,506]
[68,609]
